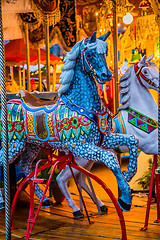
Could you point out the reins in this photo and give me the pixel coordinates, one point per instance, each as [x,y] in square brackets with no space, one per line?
[90,70]
[140,75]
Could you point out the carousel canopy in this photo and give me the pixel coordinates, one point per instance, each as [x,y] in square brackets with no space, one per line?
[15,54]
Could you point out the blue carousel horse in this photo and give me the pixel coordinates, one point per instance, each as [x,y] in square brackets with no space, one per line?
[138,114]
[76,122]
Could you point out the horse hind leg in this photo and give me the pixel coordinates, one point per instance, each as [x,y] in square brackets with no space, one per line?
[62,180]
[93,152]
[25,163]
[82,180]
[116,140]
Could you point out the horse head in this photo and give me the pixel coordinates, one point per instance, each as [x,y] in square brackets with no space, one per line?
[90,55]
[147,73]
[93,53]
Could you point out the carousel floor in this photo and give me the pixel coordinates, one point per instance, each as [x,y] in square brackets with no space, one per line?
[57,221]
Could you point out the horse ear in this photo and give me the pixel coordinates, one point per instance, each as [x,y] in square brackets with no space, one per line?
[93,38]
[150,58]
[143,60]
[105,36]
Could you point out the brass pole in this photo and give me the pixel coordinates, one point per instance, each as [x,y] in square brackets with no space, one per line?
[11,72]
[24,82]
[116,83]
[39,69]
[28,58]
[20,79]
[47,52]
[54,77]
[115,37]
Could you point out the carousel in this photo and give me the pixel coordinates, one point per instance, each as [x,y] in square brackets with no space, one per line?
[79,111]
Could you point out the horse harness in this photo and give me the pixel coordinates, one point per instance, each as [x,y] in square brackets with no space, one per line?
[140,75]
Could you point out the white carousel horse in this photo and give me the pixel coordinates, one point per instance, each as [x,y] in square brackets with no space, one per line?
[138,115]
[139,110]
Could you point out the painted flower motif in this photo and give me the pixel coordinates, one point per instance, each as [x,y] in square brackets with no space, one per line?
[75,122]
[18,126]
[85,121]
[65,124]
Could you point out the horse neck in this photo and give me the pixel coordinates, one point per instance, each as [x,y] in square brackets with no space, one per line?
[83,90]
[141,99]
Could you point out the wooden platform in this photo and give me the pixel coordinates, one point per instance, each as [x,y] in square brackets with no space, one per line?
[57,221]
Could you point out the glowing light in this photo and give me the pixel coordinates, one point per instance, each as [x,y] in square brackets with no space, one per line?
[127,19]
[96,13]
[100,30]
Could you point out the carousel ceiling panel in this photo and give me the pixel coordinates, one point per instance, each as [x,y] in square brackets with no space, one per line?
[66,27]
[11,26]
[16,7]
[87,9]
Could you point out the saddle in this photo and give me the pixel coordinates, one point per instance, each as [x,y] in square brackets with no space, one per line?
[38,117]
[33,101]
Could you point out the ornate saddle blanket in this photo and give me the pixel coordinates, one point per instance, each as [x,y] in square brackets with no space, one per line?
[15,121]
[54,122]
[59,121]
[141,121]
[118,125]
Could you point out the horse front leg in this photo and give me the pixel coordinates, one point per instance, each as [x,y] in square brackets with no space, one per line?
[95,153]
[116,140]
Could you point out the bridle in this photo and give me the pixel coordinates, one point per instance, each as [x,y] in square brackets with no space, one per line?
[91,71]
[140,75]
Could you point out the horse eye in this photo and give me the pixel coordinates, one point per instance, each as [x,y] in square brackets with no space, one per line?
[145,71]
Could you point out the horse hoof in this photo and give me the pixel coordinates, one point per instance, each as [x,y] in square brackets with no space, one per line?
[124,206]
[104,209]
[47,203]
[78,214]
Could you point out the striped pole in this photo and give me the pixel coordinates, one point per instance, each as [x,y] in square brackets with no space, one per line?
[5,132]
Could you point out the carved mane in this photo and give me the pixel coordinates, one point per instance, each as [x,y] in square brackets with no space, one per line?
[124,83]
[67,73]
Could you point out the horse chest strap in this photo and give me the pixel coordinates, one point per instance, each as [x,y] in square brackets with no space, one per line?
[82,111]
[141,121]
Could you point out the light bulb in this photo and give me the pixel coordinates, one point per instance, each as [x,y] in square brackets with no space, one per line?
[127,19]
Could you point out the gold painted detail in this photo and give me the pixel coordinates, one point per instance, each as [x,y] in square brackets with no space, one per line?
[14,145]
[73,145]
[103,123]
[30,123]
[82,141]
[49,123]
